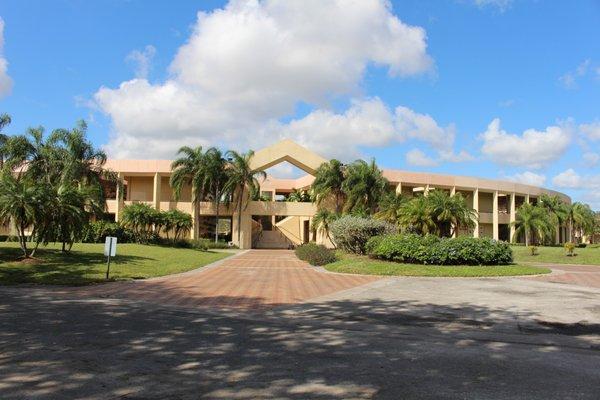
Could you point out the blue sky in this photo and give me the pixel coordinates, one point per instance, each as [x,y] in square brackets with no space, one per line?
[493,88]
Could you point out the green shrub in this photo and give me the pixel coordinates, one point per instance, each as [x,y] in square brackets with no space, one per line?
[411,248]
[533,250]
[352,233]
[582,245]
[570,248]
[97,231]
[315,254]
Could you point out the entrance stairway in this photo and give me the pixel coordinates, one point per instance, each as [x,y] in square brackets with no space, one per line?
[273,240]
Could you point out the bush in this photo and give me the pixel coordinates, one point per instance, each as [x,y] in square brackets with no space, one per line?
[411,248]
[315,254]
[351,233]
[533,250]
[570,248]
[97,231]
[582,245]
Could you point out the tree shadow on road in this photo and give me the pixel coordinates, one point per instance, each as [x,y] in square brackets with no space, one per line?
[334,350]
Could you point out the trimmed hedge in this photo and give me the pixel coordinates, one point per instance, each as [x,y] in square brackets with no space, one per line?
[352,233]
[315,254]
[97,231]
[415,249]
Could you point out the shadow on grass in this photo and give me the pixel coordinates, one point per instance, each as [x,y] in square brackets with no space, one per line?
[350,350]
[51,266]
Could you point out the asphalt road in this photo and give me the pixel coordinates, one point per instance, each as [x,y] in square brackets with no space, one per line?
[115,349]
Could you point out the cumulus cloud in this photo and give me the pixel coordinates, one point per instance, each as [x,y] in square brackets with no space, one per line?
[247,66]
[568,179]
[588,186]
[591,130]
[591,159]
[6,82]
[533,149]
[142,60]
[528,178]
[417,158]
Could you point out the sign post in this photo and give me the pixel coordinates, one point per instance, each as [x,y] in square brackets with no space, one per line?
[110,250]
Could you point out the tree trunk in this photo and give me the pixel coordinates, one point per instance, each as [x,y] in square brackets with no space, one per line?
[217,203]
[240,217]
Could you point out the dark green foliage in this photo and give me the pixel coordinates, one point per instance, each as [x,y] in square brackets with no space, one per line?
[315,254]
[352,233]
[97,231]
[411,248]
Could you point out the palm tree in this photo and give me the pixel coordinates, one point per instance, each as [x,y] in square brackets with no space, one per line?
[416,216]
[329,178]
[389,207]
[582,218]
[216,174]
[532,220]
[188,170]
[298,196]
[556,208]
[322,220]
[450,212]
[22,202]
[364,186]
[242,182]
[4,121]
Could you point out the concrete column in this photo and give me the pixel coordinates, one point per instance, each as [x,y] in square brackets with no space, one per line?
[119,197]
[399,188]
[513,217]
[156,191]
[495,216]
[246,231]
[527,198]
[476,208]
[426,192]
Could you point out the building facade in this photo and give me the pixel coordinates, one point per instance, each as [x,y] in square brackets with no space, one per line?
[272,223]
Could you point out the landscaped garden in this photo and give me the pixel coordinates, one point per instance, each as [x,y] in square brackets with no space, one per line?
[86,264]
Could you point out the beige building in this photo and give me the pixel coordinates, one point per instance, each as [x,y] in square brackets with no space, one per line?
[288,223]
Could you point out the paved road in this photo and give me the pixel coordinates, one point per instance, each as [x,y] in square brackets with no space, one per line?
[404,338]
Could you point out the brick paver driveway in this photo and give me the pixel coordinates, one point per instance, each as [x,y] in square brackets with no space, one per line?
[253,279]
[581,275]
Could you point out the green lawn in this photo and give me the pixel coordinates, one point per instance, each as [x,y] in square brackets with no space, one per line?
[86,263]
[352,264]
[589,255]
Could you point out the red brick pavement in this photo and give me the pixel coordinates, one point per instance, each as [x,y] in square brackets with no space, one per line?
[582,275]
[254,279]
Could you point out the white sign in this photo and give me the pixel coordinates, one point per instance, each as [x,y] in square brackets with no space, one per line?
[110,246]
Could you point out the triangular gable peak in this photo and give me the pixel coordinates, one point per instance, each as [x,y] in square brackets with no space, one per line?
[290,151]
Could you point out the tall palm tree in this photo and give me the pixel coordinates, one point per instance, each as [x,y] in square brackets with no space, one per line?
[389,207]
[556,208]
[329,178]
[450,212]
[416,216]
[322,220]
[4,121]
[216,174]
[364,186]
[582,218]
[242,182]
[189,170]
[532,221]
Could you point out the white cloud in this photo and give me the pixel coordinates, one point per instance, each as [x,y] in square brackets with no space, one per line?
[568,179]
[248,65]
[6,82]
[142,60]
[591,159]
[587,185]
[532,149]
[528,178]
[423,127]
[419,159]
[501,5]
[569,80]
[591,130]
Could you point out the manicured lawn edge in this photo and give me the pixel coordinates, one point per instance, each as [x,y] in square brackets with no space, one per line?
[353,264]
[86,264]
[556,255]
